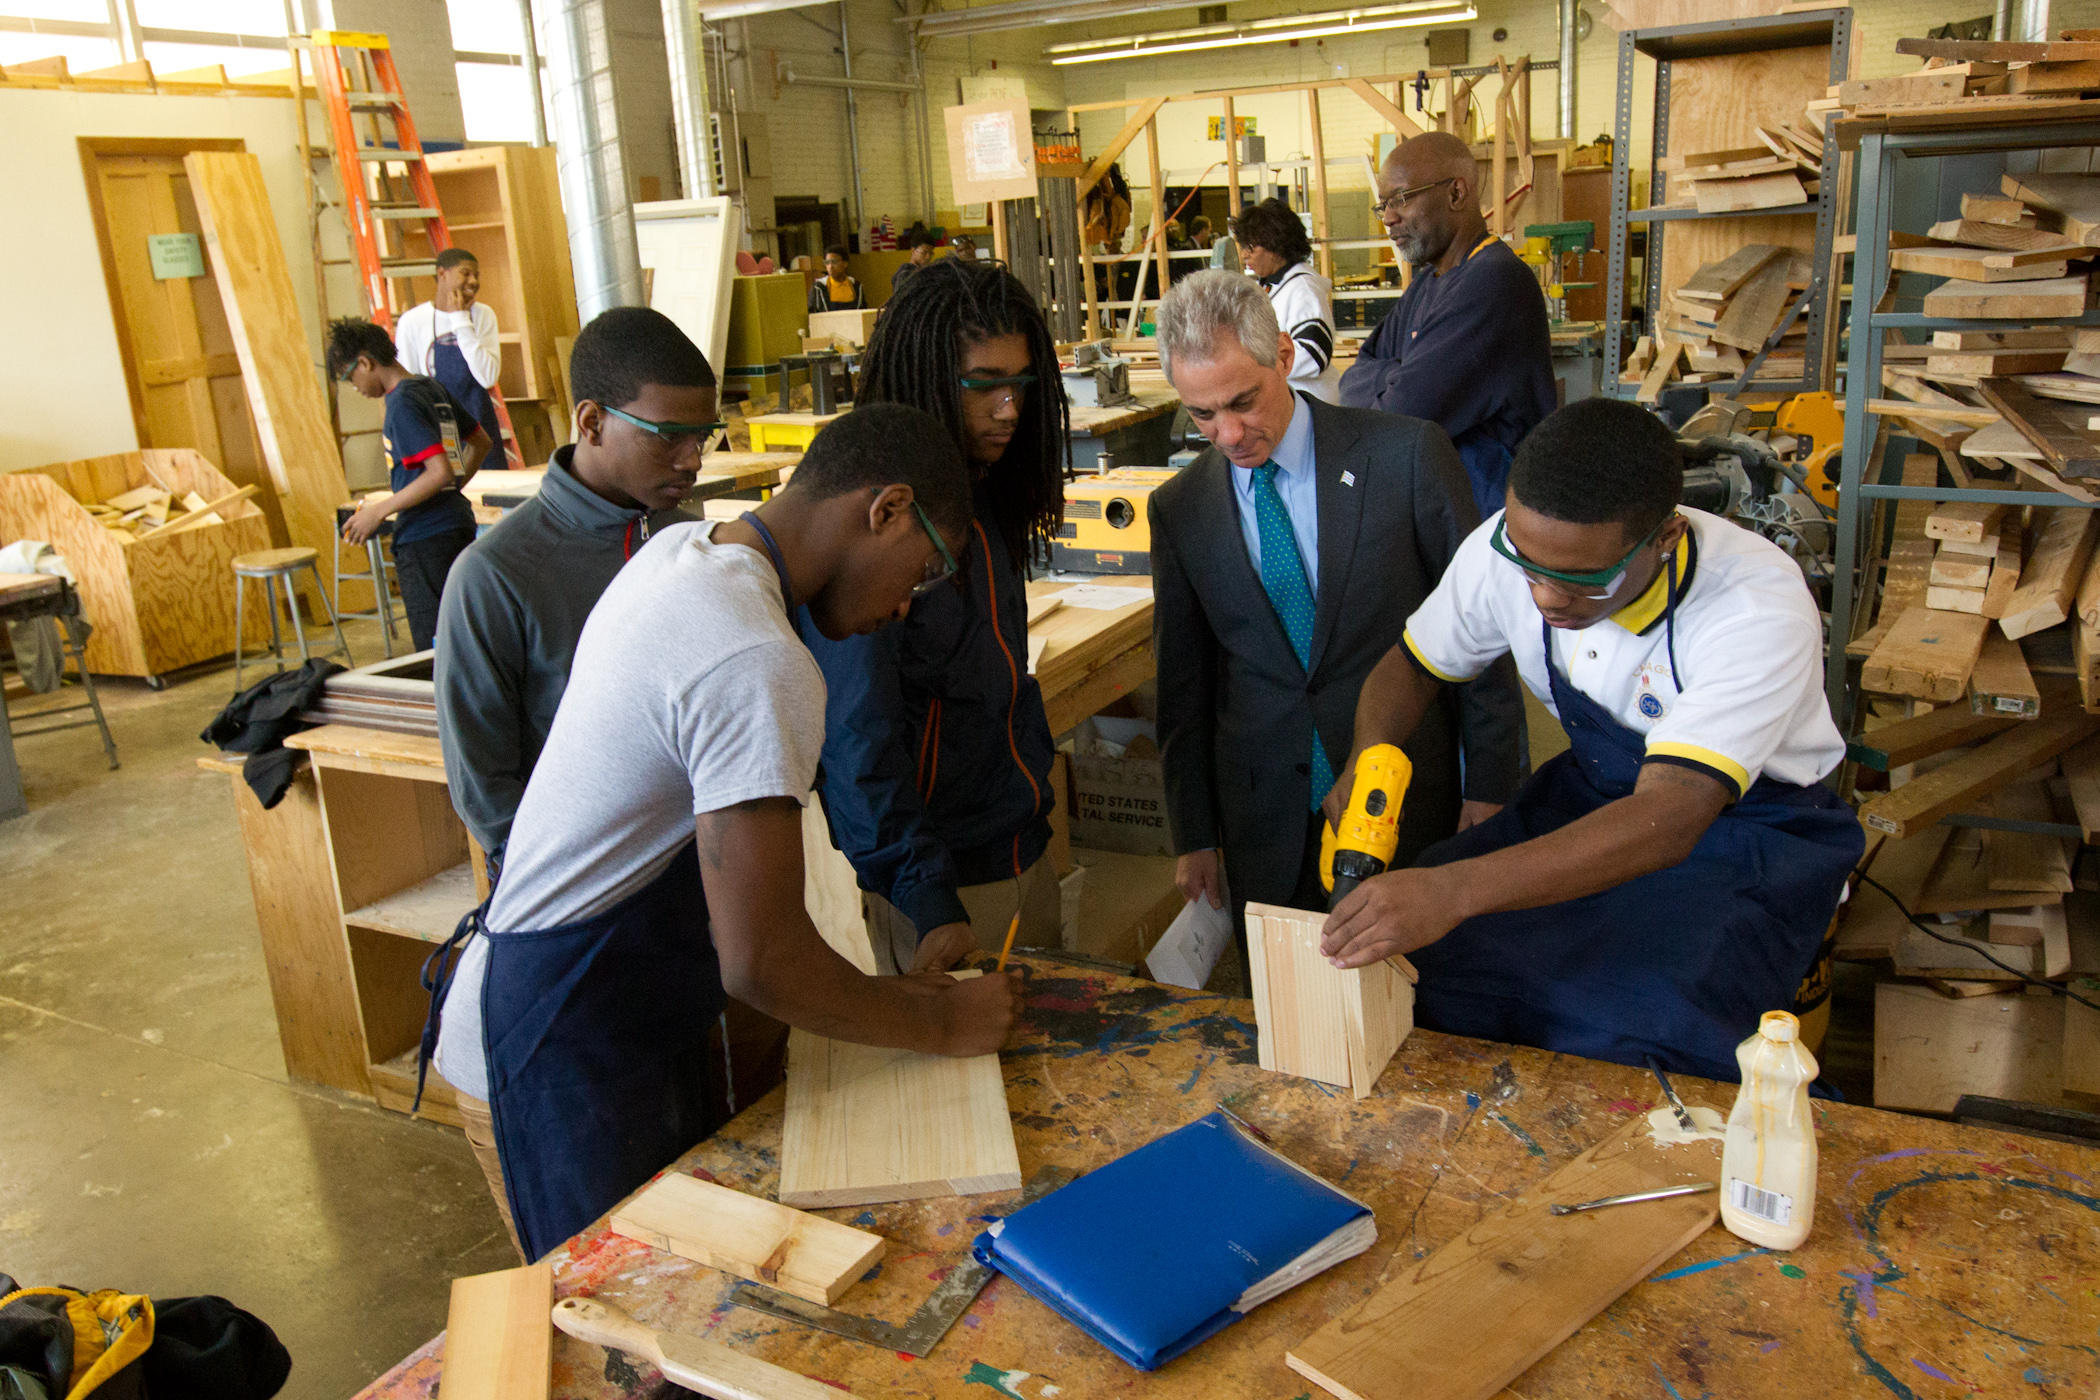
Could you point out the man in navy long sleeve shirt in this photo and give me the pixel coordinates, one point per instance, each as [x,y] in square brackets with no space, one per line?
[1467,346]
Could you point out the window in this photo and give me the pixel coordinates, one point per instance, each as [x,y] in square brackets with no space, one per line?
[82,55]
[85,11]
[494,98]
[487,26]
[238,62]
[265,17]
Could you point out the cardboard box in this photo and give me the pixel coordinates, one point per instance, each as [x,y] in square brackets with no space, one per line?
[1120,804]
[845,327]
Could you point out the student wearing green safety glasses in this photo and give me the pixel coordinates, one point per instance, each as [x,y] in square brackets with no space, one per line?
[1650,893]
[937,752]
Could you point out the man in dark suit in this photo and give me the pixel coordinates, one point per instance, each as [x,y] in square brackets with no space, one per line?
[1285,561]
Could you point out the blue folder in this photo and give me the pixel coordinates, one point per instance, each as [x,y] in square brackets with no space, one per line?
[1170,1244]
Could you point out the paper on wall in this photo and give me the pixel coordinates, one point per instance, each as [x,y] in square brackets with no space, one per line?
[1188,951]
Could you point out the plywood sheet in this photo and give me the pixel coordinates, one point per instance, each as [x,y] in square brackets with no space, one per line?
[866,1124]
[691,244]
[791,1250]
[1316,1020]
[1929,1050]
[499,1336]
[1467,1321]
[284,394]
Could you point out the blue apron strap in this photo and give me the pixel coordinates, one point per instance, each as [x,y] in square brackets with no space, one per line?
[787,594]
[436,978]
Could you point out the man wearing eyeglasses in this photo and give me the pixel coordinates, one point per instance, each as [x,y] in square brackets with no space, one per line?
[516,601]
[1669,878]
[1466,346]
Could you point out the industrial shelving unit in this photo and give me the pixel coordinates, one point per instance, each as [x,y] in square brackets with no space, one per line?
[1878,155]
[1668,46]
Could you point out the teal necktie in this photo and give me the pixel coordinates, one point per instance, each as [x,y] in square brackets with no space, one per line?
[1290,593]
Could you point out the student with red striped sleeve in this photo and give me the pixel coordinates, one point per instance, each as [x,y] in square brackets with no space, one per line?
[516,602]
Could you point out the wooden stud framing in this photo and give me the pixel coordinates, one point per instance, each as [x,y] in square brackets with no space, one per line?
[1321,227]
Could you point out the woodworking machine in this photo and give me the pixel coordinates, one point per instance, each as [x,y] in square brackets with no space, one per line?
[1105,529]
[1099,377]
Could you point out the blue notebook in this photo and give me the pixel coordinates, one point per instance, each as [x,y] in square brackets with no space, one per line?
[1172,1243]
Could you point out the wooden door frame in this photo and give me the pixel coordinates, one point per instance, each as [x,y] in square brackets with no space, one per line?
[92,149]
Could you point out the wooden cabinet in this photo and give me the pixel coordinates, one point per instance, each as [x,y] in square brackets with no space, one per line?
[503,204]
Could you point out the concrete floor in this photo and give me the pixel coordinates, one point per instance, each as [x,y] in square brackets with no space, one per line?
[154,1143]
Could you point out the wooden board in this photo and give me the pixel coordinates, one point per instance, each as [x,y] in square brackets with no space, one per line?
[1973,264]
[1967,521]
[2054,568]
[2000,683]
[1755,310]
[2081,75]
[499,1336]
[1953,570]
[2081,769]
[2067,446]
[1929,1050]
[866,1124]
[1659,373]
[1903,583]
[1927,654]
[2040,338]
[2062,296]
[1994,51]
[2007,758]
[1774,190]
[284,393]
[1955,600]
[1926,85]
[1982,364]
[1991,209]
[2074,200]
[1318,1021]
[831,893]
[1935,731]
[2005,580]
[2023,860]
[1467,1321]
[1719,281]
[2082,1041]
[749,1236]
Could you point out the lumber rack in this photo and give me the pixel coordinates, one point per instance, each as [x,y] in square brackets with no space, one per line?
[1716,39]
[1852,587]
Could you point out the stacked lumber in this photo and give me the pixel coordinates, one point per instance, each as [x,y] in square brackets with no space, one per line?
[147,511]
[1972,82]
[1783,171]
[1723,315]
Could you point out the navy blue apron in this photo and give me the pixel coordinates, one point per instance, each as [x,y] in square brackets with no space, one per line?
[596,1035]
[449,368]
[1678,963]
[1487,464]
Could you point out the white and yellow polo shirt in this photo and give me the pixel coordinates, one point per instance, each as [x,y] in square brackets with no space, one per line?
[1747,694]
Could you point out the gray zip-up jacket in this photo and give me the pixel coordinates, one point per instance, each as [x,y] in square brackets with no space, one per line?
[514,607]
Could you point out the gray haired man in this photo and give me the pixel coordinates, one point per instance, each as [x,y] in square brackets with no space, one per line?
[1285,561]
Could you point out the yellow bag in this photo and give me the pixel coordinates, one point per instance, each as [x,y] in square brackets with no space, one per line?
[78,1344]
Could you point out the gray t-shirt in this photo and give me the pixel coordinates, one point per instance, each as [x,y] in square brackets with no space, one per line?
[690,693]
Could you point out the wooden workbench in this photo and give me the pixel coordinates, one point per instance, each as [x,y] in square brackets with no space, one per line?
[725,474]
[363,867]
[1945,1260]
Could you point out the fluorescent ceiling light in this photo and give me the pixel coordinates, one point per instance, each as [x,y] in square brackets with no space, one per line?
[739,9]
[1269,31]
[1030,14]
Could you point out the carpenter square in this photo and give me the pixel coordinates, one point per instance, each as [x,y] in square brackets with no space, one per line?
[922,1331]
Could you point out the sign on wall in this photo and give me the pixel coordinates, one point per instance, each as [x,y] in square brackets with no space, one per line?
[991,151]
[174,255]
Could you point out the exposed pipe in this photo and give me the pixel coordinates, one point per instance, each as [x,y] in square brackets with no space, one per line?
[2001,22]
[789,75]
[1565,76]
[532,73]
[593,170]
[2034,22]
[860,199]
[918,78]
[689,107]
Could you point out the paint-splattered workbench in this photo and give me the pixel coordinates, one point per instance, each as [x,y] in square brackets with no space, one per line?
[1945,1260]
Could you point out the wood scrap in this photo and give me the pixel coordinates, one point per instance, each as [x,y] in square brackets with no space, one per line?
[1952,570]
[1927,654]
[2014,301]
[2081,769]
[1985,364]
[2073,200]
[1936,731]
[2067,447]
[2054,568]
[2000,683]
[1720,280]
[1934,413]
[1926,85]
[1659,374]
[1753,311]
[1991,209]
[2079,75]
[1773,191]
[1903,586]
[2039,338]
[1923,800]
[1961,50]
[1964,521]
[749,1236]
[2025,860]
[2011,238]
[499,1340]
[2005,579]
[1314,1020]
[1975,265]
[1954,600]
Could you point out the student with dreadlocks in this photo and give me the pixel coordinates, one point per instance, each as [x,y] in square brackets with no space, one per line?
[936,749]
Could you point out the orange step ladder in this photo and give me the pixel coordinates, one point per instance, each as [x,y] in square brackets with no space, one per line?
[384,179]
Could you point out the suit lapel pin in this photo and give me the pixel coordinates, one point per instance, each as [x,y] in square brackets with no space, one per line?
[1348,478]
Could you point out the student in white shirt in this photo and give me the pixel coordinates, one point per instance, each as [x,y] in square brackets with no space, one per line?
[452,338]
[1273,244]
[1655,889]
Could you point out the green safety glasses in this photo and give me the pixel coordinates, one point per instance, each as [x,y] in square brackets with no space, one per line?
[1597,587]
[1015,382]
[933,580]
[672,435]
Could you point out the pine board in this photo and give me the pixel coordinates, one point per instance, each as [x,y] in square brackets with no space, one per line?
[284,394]
[2054,568]
[1903,583]
[788,1249]
[2064,444]
[2000,683]
[1927,654]
[1966,521]
[2073,199]
[1929,1050]
[1752,312]
[2007,758]
[1742,195]
[1972,264]
[499,1339]
[1719,281]
[1959,297]
[2079,75]
[866,1125]
[1935,731]
[2011,238]
[2023,860]
[2005,580]
[831,892]
[1981,364]
[1467,1321]
[1316,1020]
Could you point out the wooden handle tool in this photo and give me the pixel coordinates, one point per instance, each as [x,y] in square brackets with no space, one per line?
[705,1367]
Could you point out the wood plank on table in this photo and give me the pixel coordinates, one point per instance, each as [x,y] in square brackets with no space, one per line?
[499,1335]
[20,588]
[373,751]
[749,1236]
[1467,1321]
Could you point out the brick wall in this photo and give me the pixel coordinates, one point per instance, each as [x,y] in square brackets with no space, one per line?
[420,33]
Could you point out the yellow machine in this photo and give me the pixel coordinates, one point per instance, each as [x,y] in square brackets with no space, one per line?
[1370,830]
[1817,419]
[1105,529]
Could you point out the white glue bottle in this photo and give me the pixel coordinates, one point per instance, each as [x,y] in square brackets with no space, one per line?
[1768,1164]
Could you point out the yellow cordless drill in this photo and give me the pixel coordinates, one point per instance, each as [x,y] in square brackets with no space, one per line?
[1370,829]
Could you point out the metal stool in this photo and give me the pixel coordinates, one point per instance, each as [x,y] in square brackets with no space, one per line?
[272,566]
[377,571]
[53,609]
